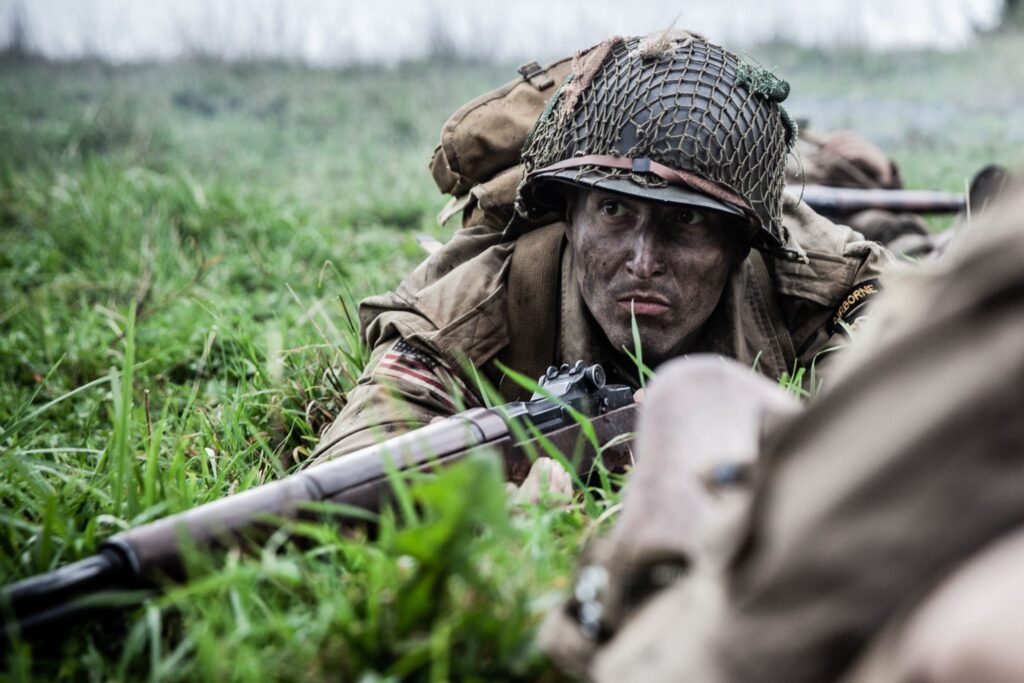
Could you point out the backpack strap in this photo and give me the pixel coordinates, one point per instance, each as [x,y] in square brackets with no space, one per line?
[534,301]
[782,357]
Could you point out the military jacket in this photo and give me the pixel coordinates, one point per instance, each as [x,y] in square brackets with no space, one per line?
[440,336]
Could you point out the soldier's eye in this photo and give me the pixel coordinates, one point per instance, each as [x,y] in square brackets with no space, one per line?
[689,217]
[610,207]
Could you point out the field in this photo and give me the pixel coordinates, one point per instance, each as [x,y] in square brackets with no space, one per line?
[178,248]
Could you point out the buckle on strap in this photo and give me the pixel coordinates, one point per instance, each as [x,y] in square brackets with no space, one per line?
[641,165]
[536,75]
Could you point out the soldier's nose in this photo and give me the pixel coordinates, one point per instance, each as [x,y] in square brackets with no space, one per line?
[644,260]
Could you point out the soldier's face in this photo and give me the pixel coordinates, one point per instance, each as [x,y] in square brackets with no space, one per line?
[666,265]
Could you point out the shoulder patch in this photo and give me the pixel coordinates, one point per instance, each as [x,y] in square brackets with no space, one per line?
[406,363]
[846,314]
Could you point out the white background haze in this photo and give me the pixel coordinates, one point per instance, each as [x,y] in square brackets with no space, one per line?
[347,32]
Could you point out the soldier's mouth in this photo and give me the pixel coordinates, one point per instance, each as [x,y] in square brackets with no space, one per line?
[645,304]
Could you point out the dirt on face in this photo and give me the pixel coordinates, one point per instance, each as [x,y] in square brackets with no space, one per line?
[665,264]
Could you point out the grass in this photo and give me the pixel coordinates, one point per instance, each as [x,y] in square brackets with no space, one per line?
[180,245]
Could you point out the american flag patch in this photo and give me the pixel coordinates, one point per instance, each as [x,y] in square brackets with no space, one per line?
[406,363]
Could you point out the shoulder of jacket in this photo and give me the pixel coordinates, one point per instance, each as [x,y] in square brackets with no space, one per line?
[453,304]
[838,257]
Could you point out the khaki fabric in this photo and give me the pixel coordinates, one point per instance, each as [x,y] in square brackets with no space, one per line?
[483,138]
[455,307]
[912,461]
[968,629]
[825,159]
[856,555]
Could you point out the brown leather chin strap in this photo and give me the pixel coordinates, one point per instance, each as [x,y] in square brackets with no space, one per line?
[666,173]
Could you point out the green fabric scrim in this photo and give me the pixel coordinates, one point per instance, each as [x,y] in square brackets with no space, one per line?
[763,82]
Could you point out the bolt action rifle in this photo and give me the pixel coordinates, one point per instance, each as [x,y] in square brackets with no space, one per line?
[150,555]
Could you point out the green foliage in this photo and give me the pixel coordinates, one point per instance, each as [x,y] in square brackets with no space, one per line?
[636,355]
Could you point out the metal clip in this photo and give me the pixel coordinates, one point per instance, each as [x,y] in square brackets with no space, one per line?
[536,75]
[792,255]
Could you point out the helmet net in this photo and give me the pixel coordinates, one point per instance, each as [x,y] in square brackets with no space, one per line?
[677,100]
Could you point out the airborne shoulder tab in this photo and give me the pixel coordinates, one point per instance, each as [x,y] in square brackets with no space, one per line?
[846,314]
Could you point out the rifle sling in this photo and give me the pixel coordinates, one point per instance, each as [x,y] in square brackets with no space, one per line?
[534,295]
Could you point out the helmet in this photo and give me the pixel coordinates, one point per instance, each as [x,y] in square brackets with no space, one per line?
[668,117]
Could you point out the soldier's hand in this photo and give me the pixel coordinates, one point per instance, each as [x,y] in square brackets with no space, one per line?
[547,479]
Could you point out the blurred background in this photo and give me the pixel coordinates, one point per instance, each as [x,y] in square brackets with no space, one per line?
[348,32]
[268,76]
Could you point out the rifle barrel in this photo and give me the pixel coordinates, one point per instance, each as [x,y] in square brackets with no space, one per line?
[357,479]
[39,602]
[845,200]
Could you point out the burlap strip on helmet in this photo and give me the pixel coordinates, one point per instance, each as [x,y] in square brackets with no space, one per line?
[585,65]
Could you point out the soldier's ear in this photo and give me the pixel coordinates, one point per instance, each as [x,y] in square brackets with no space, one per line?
[740,252]
[740,245]
[571,202]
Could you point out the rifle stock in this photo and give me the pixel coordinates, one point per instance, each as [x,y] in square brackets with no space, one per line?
[150,555]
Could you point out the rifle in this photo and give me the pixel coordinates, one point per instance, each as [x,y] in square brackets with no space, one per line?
[845,200]
[150,555]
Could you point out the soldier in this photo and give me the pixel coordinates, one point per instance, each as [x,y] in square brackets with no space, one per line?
[651,197]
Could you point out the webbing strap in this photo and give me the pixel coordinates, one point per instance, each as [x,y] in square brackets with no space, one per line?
[763,298]
[534,296]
